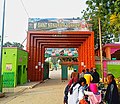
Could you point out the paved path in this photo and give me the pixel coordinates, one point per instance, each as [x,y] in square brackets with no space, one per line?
[49,92]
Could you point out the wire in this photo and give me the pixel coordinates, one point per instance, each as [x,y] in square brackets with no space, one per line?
[24,40]
[24,8]
[27,15]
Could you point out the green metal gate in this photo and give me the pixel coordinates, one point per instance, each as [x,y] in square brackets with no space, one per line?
[64,72]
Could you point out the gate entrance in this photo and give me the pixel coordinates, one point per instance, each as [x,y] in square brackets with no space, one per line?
[38,41]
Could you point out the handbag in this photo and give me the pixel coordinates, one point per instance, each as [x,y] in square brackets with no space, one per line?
[83,101]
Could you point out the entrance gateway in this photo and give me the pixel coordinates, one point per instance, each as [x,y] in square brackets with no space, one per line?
[58,33]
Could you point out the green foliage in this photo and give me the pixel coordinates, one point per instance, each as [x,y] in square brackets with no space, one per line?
[7,44]
[115,19]
[14,44]
[102,9]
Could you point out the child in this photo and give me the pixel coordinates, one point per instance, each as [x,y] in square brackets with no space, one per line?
[111,96]
[75,75]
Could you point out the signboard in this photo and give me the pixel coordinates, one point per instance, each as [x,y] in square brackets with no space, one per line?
[8,67]
[58,24]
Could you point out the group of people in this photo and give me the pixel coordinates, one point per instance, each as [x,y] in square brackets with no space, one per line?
[79,84]
[91,76]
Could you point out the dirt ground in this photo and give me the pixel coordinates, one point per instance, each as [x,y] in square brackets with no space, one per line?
[49,92]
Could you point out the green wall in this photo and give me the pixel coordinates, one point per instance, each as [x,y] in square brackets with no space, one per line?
[11,60]
[22,59]
[113,67]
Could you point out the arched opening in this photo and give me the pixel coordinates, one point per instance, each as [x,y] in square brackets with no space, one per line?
[38,41]
[55,56]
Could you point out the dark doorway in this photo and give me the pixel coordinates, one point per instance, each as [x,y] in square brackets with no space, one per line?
[19,75]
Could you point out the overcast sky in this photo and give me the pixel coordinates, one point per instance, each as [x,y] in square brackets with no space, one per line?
[16,19]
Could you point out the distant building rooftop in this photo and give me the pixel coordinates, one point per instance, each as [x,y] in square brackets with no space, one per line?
[112,45]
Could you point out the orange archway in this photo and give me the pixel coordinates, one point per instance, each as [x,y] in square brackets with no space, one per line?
[37,41]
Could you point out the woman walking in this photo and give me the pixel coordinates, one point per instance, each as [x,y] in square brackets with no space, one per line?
[76,92]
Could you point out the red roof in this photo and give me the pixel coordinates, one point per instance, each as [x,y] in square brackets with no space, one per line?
[111,45]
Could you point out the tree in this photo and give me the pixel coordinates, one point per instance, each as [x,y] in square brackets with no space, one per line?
[100,9]
[115,19]
[14,44]
[7,44]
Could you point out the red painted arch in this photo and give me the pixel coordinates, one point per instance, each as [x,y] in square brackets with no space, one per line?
[37,41]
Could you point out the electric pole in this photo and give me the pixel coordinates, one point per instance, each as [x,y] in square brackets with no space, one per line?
[1,45]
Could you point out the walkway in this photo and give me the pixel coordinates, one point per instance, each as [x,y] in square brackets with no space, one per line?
[49,92]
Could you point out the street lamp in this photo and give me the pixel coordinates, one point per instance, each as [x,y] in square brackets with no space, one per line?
[1,45]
